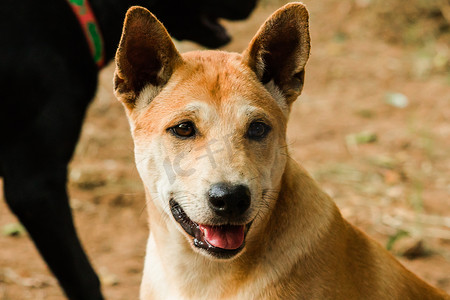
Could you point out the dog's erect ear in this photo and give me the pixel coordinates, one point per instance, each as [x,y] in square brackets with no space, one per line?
[280,50]
[146,55]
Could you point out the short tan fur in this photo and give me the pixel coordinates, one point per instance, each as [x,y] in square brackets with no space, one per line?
[209,117]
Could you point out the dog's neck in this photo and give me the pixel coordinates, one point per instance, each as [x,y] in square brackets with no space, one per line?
[302,210]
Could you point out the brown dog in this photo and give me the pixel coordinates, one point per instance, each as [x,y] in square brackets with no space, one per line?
[231,217]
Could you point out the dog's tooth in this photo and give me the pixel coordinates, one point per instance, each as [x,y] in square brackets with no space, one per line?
[199,243]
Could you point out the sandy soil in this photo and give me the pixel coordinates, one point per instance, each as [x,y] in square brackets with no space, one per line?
[386,166]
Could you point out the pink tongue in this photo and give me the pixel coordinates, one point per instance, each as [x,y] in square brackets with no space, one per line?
[225,237]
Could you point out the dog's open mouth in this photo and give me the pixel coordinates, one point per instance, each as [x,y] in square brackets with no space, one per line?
[223,241]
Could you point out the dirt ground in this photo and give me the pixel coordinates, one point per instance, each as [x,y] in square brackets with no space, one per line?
[372,126]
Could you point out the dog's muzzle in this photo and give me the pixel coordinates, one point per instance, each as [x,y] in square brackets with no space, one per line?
[221,241]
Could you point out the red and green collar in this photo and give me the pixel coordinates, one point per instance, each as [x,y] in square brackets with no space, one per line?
[86,17]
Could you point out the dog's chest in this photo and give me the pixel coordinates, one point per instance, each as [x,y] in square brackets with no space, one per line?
[170,274]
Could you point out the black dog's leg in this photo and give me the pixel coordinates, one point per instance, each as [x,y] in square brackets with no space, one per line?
[50,107]
[40,202]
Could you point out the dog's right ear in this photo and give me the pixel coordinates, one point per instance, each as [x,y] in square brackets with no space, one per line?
[146,56]
[279,51]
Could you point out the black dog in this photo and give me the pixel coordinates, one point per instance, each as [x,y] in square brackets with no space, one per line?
[47,78]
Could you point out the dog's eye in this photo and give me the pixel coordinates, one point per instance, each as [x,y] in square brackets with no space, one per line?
[258,130]
[185,129]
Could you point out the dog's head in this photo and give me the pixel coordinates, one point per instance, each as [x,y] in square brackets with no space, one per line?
[209,127]
[199,20]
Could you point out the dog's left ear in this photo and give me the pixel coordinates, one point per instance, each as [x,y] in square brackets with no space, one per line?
[280,50]
[146,56]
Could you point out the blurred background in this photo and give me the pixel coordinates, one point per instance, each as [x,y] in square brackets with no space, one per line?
[372,126]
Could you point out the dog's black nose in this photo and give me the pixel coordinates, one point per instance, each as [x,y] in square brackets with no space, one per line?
[229,200]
